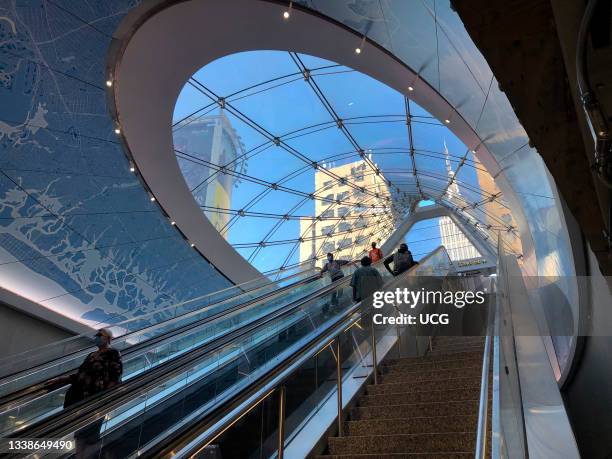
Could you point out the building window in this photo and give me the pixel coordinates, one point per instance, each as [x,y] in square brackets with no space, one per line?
[346,242]
[344,226]
[328,230]
[361,223]
[343,211]
[342,196]
[328,247]
[329,213]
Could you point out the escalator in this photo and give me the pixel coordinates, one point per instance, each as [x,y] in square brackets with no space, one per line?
[177,392]
[29,396]
[163,404]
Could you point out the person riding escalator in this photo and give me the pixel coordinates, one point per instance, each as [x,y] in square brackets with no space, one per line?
[402,260]
[334,269]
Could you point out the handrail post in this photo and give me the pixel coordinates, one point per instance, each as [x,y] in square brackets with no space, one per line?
[374,359]
[399,341]
[339,382]
[281,421]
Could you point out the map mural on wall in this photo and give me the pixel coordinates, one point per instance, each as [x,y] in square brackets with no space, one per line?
[78,233]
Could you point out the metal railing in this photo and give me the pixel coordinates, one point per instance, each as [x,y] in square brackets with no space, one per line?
[595,116]
[483,404]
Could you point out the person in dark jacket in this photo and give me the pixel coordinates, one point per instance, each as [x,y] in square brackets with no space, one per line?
[334,269]
[365,281]
[402,260]
[101,370]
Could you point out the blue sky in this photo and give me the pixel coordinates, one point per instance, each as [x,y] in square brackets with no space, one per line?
[292,105]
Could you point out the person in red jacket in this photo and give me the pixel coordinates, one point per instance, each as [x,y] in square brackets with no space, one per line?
[375,254]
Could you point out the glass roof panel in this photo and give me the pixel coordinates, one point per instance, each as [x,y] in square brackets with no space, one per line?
[290,166]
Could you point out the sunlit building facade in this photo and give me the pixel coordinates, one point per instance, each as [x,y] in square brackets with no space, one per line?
[343,229]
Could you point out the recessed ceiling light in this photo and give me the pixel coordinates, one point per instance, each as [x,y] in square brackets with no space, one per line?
[132,169]
[447,121]
[117,131]
[286,15]
[357,50]
[109,83]
[152,198]
[173,223]
[410,88]
[192,244]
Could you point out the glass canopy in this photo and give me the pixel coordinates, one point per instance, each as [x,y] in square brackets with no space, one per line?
[291,156]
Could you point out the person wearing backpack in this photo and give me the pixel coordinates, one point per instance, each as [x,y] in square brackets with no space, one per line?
[375,254]
[402,260]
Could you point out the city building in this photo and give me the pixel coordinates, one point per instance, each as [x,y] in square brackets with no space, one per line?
[457,244]
[341,223]
[210,140]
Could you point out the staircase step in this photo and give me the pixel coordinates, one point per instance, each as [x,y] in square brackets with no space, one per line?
[431,395]
[401,456]
[424,385]
[433,424]
[434,365]
[413,410]
[458,339]
[435,358]
[415,375]
[449,350]
[404,443]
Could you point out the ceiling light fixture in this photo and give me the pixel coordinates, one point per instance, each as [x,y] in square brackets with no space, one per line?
[109,83]
[361,45]
[287,13]
[173,223]
[152,198]
[447,121]
[132,169]
[410,88]
[117,131]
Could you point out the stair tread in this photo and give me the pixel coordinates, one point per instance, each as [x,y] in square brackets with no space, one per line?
[441,364]
[427,357]
[434,455]
[403,443]
[416,418]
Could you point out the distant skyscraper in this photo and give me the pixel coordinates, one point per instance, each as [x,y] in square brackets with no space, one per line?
[457,245]
[210,140]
